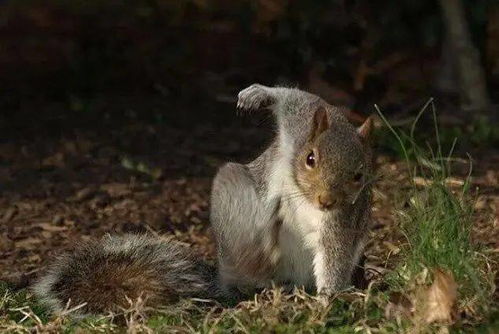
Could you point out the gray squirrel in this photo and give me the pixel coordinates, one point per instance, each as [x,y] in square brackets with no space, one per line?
[297,215]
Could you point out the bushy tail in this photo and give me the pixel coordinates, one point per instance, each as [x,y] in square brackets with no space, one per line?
[106,275]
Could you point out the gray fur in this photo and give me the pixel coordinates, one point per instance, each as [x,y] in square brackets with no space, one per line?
[167,265]
[246,201]
[343,243]
[240,220]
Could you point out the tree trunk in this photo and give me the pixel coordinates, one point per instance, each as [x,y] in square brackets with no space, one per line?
[473,90]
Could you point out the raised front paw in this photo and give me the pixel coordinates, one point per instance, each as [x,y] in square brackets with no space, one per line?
[255,97]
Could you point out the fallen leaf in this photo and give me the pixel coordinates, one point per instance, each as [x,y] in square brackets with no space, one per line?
[398,306]
[117,189]
[440,298]
[52,228]
[9,214]
[5,243]
[142,167]
[391,247]
[419,181]
[450,182]
[28,243]
[55,160]
[454,182]
[85,193]
[46,234]
[35,258]
[57,220]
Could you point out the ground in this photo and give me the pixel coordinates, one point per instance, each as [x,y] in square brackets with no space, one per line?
[60,189]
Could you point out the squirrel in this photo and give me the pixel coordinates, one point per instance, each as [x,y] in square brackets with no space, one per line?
[297,215]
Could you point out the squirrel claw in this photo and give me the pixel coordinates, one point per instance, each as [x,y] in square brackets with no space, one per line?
[324,299]
[254,97]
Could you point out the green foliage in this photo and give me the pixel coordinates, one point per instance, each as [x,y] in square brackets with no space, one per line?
[438,219]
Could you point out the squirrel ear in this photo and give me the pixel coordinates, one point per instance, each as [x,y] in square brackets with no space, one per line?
[364,131]
[320,123]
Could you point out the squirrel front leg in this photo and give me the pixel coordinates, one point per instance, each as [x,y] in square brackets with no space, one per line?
[257,97]
[335,259]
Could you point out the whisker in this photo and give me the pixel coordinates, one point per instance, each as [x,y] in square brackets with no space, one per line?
[368,183]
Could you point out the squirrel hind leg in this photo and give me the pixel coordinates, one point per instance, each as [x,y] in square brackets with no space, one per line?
[256,97]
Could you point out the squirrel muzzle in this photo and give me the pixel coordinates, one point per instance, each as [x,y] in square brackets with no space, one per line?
[330,198]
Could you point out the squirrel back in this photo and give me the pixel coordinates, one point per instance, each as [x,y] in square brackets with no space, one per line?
[109,274]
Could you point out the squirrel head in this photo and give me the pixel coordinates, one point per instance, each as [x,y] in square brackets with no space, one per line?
[334,166]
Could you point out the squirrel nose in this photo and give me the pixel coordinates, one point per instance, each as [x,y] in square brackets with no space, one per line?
[326,201]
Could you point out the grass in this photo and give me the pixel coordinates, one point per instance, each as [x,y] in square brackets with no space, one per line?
[270,311]
[437,225]
[437,221]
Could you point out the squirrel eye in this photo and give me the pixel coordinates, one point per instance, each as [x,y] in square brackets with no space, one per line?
[311,160]
[357,177]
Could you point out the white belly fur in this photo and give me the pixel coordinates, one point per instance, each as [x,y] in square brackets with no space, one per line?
[298,243]
[301,225]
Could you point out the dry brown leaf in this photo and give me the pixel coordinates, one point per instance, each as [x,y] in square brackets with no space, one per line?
[52,228]
[57,220]
[450,182]
[34,258]
[117,189]
[85,194]
[399,306]
[454,182]
[394,249]
[5,243]
[420,181]
[9,214]
[71,147]
[439,299]
[55,160]
[46,234]
[28,243]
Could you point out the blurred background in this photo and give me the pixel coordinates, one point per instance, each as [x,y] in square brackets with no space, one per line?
[73,64]
[114,114]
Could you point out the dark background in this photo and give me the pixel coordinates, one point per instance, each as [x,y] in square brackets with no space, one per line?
[114,115]
[67,65]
